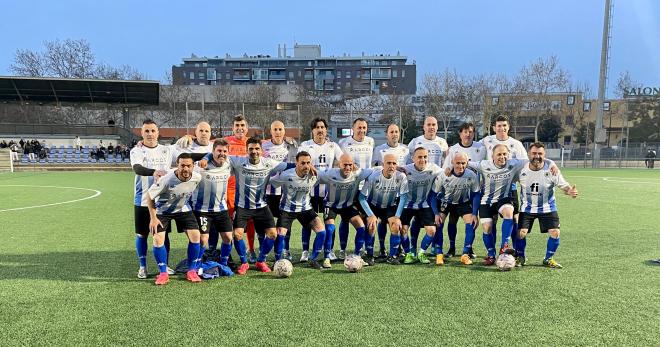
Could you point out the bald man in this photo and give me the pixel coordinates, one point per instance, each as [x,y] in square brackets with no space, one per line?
[200,144]
[342,187]
[379,197]
[458,194]
[280,149]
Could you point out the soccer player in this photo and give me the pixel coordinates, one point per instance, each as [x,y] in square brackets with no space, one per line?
[150,162]
[325,154]
[516,151]
[360,147]
[421,176]
[342,186]
[172,195]
[537,189]
[475,152]
[252,175]
[209,200]
[200,144]
[458,195]
[379,197]
[437,148]
[401,153]
[238,147]
[296,185]
[498,176]
[279,149]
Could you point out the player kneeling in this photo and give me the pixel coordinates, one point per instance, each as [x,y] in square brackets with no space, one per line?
[172,195]
[458,194]
[297,184]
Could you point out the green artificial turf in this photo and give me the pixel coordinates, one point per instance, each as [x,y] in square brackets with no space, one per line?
[67,277]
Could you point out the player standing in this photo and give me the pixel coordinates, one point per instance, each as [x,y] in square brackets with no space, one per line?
[361,148]
[279,149]
[324,154]
[537,189]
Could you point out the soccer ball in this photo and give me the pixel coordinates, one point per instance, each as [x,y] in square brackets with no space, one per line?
[505,262]
[283,268]
[353,263]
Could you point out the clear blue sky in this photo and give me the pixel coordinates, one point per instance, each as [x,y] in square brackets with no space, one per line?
[471,36]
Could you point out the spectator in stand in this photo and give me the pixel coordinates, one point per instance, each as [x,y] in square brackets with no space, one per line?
[118,150]
[27,149]
[77,143]
[133,143]
[15,148]
[101,147]
[21,143]
[3,144]
[111,148]
[43,152]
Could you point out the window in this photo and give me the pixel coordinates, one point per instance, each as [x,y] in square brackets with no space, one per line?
[348,74]
[348,85]
[185,74]
[299,73]
[586,106]
[403,73]
[192,75]
[291,76]
[201,75]
[494,100]
[570,100]
[606,106]
[395,73]
[227,76]
[338,74]
[357,74]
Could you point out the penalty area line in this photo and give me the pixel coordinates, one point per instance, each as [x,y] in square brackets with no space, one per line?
[96,194]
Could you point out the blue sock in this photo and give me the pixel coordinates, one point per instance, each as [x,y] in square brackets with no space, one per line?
[265,248]
[306,235]
[359,239]
[319,240]
[193,253]
[160,254]
[452,230]
[329,235]
[438,240]
[414,235]
[382,233]
[489,243]
[395,240]
[225,250]
[279,246]
[141,249]
[202,249]
[241,249]
[469,238]
[287,239]
[405,243]
[426,241]
[214,237]
[369,243]
[553,244]
[507,229]
[343,235]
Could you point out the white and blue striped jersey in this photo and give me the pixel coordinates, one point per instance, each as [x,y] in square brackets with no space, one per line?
[457,189]
[341,191]
[401,152]
[516,148]
[296,190]
[420,184]
[436,148]
[496,182]
[360,151]
[282,152]
[211,193]
[158,158]
[251,180]
[476,152]
[381,191]
[537,189]
[323,157]
[171,195]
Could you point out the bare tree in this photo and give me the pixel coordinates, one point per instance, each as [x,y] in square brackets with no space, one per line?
[440,95]
[67,59]
[543,77]
[264,99]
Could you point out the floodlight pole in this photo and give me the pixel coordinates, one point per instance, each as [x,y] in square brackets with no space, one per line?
[599,133]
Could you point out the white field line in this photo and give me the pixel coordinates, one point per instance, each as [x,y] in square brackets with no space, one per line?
[96,194]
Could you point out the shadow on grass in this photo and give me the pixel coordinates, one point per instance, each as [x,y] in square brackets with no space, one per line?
[83,266]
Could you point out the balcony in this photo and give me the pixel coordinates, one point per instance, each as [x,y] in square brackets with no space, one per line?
[277,76]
